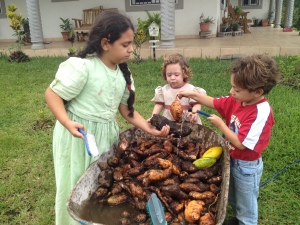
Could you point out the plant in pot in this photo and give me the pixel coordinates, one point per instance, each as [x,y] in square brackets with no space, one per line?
[71,39]
[238,10]
[66,27]
[270,15]
[236,26]
[26,30]
[225,25]
[205,23]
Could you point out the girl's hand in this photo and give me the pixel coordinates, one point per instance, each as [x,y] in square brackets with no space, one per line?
[193,117]
[164,132]
[73,126]
[216,121]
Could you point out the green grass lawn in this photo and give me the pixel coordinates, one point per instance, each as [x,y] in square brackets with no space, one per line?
[27,186]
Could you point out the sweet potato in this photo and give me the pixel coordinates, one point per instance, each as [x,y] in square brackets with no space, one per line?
[176,110]
[117,199]
[103,165]
[166,164]
[105,178]
[214,188]
[193,210]
[188,166]
[177,207]
[168,217]
[100,192]
[215,180]
[201,195]
[158,175]
[168,146]
[118,175]
[188,187]
[207,219]
[113,161]
[136,190]
[140,218]
[171,190]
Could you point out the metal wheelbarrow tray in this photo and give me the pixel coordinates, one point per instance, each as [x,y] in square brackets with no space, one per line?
[79,198]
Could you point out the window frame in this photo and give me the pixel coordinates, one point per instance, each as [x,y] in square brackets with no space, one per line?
[251,6]
[2,9]
[148,7]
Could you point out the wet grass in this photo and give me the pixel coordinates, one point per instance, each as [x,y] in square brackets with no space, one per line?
[27,187]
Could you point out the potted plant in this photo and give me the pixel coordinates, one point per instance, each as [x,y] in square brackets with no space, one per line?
[270,15]
[235,26]
[225,25]
[205,23]
[71,39]
[66,27]
[26,30]
[238,10]
[264,22]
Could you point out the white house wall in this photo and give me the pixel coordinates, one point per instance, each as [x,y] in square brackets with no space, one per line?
[186,19]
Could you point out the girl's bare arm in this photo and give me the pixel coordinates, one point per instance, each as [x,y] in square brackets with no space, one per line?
[56,105]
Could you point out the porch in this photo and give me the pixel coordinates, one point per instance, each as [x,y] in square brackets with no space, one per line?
[272,41]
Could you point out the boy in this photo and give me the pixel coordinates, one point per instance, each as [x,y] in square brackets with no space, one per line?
[249,121]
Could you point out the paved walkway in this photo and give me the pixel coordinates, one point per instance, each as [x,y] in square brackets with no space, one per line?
[268,40]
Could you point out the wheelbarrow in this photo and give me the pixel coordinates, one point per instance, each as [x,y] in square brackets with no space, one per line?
[79,202]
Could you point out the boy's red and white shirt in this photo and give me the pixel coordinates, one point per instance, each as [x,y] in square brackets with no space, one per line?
[252,124]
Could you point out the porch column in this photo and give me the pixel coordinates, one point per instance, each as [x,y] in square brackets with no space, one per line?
[272,9]
[288,20]
[167,10]
[35,24]
[278,13]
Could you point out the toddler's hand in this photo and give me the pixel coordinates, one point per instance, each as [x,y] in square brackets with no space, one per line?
[193,117]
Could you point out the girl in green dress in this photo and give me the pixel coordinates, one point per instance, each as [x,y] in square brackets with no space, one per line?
[90,89]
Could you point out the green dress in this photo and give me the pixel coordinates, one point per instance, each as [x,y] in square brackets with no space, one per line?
[93,93]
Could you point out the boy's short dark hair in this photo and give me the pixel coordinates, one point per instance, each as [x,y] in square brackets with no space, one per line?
[255,72]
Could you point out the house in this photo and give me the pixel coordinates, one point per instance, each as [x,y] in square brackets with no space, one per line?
[44,15]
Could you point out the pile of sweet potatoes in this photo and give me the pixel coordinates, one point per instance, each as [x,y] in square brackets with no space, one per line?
[163,166]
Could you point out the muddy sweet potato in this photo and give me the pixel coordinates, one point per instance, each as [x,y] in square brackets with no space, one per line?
[158,175]
[207,219]
[176,110]
[193,210]
[159,121]
[201,195]
[117,199]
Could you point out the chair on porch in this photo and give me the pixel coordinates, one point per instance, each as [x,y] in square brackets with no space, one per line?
[239,17]
[82,26]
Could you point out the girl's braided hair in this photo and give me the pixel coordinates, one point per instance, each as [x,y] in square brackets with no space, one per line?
[110,25]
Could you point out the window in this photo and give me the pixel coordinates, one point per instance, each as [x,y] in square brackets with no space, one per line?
[149,5]
[2,9]
[250,4]
[142,2]
[62,0]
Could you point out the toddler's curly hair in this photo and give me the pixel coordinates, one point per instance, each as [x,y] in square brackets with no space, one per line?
[174,59]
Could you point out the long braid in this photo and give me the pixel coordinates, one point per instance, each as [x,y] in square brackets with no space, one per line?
[131,98]
[110,25]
